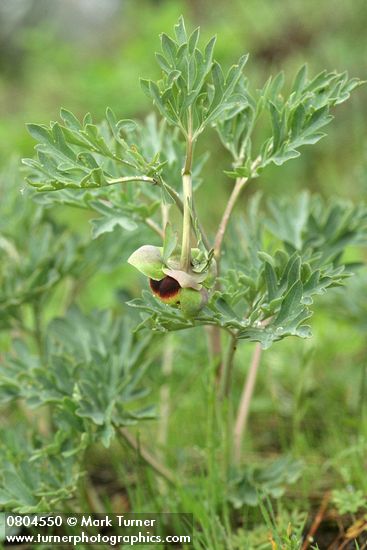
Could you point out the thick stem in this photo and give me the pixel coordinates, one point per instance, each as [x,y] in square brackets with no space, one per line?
[186,228]
[173,194]
[177,199]
[243,410]
[187,200]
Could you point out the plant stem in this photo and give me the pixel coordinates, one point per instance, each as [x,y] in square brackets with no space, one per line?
[239,185]
[165,394]
[176,197]
[215,331]
[162,470]
[317,520]
[150,223]
[243,410]
[218,242]
[227,367]
[186,229]
[187,200]
[170,190]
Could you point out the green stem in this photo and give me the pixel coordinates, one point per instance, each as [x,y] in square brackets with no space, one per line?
[187,200]
[186,229]
[218,243]
[170,190]
[227,367]
[239,185]
[177,199]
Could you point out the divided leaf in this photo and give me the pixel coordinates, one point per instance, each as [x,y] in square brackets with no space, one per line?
[297,118]
[76,155]
[192,82]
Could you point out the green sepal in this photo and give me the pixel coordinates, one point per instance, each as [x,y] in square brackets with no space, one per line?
[148,260]
[192,301]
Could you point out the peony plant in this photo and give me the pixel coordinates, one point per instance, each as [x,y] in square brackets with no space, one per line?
[260,285]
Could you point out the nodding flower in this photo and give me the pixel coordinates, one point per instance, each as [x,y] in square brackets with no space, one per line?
[169,283]
[167,289]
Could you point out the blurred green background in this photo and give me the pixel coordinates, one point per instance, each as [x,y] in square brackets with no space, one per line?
[85,55]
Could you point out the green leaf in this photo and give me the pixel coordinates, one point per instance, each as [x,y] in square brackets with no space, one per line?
[290,303]
[180,31]
[169,48]
[163,63]
[278,121]
[296,119]
[145,86]
[300,80]
[107,225]
[271,281]
[254,484]
[70,119]
[154,91]
[40,133]
[209,49]
[86,156]
[193,40]
[191,79]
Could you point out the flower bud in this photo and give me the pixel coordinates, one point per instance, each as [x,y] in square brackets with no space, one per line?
[169,283]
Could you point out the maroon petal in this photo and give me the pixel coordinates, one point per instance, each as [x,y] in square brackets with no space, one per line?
[166,289]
